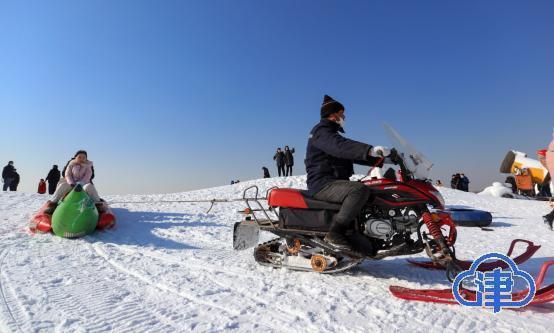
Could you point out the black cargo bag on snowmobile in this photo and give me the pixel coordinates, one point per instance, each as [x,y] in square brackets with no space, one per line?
[306,219]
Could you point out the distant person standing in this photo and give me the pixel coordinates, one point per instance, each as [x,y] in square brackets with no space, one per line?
[464,183]
[279,158]
[15,182]
[266,172]
[289,160]
[53,178]
[438,183]
[8,175]
[455,181]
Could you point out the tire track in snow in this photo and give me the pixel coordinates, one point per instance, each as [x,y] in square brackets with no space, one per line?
[161,286]
[5,303]
[281,313]
[79,299]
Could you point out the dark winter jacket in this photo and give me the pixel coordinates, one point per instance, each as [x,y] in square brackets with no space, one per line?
[16,179]
[8,172]
[279,157]
[289,159]
[330,156]
[463,183]
[266,172]
[53,176]
[455,182]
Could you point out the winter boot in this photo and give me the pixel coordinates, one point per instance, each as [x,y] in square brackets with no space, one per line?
[51,207]
[336,237]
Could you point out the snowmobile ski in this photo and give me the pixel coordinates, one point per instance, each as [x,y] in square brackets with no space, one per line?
[445,296]
[487,266]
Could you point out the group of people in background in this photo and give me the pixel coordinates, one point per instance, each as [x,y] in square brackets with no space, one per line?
[460,182]
[284,160]
[77,170]
[10,177]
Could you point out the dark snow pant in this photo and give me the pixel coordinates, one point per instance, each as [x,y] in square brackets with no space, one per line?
[281,170]
[289,170]
[51,187]
[7,183]
[352,195]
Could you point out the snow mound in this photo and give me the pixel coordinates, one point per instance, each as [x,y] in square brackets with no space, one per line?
[499,190]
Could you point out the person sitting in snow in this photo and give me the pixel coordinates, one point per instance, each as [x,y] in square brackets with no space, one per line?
[266,172]
[330,159]
[78,170]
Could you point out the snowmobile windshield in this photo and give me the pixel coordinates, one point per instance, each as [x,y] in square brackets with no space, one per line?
[414,161]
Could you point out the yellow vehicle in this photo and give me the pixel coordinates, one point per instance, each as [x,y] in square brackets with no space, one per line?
[527,171]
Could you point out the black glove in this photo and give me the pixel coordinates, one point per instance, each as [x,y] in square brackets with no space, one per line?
[394,157]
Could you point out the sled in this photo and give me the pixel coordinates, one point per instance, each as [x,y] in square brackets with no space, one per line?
[41,222]
[487,266]
[445,296]
[464,217]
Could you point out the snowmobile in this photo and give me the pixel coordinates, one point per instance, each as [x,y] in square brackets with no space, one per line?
[401,217]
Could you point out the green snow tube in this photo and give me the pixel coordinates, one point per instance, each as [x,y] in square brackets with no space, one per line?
[76,215]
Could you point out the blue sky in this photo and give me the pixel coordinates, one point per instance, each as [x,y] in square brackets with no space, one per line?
[168,96]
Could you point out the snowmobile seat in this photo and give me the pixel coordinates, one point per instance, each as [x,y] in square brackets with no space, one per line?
[295,198]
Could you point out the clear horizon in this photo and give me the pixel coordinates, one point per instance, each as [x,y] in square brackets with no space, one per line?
[171,96]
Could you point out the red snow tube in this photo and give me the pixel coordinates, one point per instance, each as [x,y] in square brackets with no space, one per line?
[106,218]
[41,222]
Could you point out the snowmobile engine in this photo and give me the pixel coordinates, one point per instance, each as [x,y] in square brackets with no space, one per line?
[385,228]
[381,229]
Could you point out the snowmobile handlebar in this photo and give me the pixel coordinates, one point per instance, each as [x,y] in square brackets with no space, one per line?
[397,159]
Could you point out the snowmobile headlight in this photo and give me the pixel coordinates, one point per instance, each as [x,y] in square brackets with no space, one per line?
[439,196]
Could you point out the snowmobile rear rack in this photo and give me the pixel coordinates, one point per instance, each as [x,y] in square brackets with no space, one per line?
[267,221]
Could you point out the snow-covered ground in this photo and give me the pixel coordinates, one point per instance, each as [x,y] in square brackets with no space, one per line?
[170,267]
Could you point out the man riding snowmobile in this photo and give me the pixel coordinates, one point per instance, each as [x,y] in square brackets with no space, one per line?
[329,165]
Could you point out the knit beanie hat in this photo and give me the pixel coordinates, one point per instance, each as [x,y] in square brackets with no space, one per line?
[330,106]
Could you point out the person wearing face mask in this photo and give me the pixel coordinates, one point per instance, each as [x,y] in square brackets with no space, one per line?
[78,170]
[330,159]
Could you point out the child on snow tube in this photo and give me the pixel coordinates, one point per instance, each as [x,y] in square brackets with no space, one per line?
[79,170]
